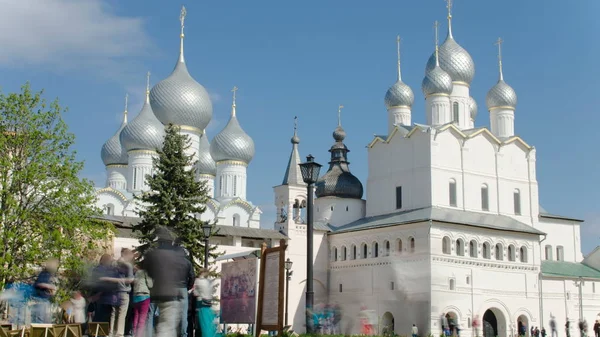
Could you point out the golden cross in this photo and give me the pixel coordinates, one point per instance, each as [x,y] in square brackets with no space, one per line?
[398,47]
[126,101]
[148,82]
[499,44]
[449,6]
[182,17]
[233,91]
[435,26]
[340,115]
[295,124]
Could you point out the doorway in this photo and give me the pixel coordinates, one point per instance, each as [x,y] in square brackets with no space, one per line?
[489,324]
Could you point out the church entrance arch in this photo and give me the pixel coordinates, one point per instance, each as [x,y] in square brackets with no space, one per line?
[493,323]
[452,319]
[523,326]
[387,324]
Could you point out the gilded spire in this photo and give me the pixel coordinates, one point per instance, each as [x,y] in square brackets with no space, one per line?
[398,47]
[148,86]
[233,104]
[499,44]
[295,138]
[437,58]
[125,112]
[293,175]
[182,20]
[449,7]
[340,115]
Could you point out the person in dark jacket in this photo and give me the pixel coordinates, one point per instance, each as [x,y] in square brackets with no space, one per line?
[167,267]
[185,284]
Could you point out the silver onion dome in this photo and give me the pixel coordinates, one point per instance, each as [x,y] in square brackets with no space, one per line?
[144,132]
[206,164]
[112,152]
[472,107]
[232,143]
[501,95]
[436,81]
[399,94]
[455,60]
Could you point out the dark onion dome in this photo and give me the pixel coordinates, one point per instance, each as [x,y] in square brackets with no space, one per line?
[206,164]
[338,181]
[112,152]
[232,143]
[144,132]
[179,99]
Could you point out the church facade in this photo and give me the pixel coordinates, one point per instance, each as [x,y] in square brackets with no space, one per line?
[451,224]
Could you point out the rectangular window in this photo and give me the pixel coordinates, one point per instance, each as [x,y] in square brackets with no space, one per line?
[398,197]
[485,202]
[455,114]
[235,186]
[340,287]
[452,191]
[392,285]
[560,253]
[135,178]
[517,200]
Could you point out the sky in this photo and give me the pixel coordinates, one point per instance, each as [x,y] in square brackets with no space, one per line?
[305,58]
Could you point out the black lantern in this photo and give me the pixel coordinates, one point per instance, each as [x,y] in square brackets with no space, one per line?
[310,170]
[206,229]
[288,264]
[288,277]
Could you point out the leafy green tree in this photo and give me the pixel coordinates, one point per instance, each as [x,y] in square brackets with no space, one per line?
[175,200]
[46,209]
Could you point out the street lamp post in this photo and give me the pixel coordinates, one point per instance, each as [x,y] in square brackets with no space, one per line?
[206,228]
[288,277]
[310,173]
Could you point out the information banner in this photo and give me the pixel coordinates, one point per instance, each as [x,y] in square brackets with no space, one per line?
[238,291]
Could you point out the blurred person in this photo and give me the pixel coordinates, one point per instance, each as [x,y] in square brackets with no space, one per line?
[141,300]
[203,289]
[553,326]
[124,280]
[596,329]
[185,284]
[166,267]
[105,292]
[415,331]
[568,328]
[44,291]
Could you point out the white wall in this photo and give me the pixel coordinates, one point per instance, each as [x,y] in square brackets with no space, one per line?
[562,233]
[339,211]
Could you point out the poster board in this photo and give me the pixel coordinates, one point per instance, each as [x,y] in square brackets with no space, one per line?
[239,291]
[271,287]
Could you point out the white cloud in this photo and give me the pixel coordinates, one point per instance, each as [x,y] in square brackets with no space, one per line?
[69,35]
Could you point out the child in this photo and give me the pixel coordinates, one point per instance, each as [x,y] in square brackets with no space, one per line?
[78,308]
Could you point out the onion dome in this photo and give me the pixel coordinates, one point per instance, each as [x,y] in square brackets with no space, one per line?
[112,152]
[501,95]
[206,164]
[399,94]
[436,81]
[232,143]
[472,107]
[454,59]
[145,132]
[338,181]
[179,99]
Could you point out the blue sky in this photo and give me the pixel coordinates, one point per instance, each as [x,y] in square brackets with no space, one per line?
[304,59]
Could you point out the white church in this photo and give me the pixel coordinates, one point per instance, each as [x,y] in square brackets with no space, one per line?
[452,224]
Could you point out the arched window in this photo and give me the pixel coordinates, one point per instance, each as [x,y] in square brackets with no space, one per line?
[236,220]
[364,251]
[511,253]
[344,252]
[412,245]
[335,254]
[560,253]
[386,247]
[446,245]
[460,247]
[455,114]
[548,251]
[499,252]
[452,192]
[235,186]
[375,249]
[400,246]
[517,201]
[485,198]
[473,248]
[523,254]
[110,209]
[353,256]
[486,250]
[452,284]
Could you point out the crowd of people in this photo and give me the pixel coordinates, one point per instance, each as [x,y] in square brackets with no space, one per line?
[157,296]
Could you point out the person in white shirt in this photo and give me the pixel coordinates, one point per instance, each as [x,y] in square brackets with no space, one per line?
[203,290]
[415,331]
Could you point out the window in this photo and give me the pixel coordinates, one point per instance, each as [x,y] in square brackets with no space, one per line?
[392,285]
[594,287]
[446,245]
[398,197]
[499,252]
[517,201]
[331,208]
[452,192]
[236,219]
[340,287]
[110,209]
[452,284]
[335,254]
[353,256]
[221,185]
[400,246]
[455,115]
[344,256]
[486,250]
[523,254]
[511,253]
[364,250]
[548,252]
[412,245]
[386,247]
[485,201]
[346,208]
[135,182]
[468,280]
[560,253]
[460,247]
[469,324]
[473,248]
[235,186]
[375,249]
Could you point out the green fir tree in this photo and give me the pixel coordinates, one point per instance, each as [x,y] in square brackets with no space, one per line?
[176,199]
